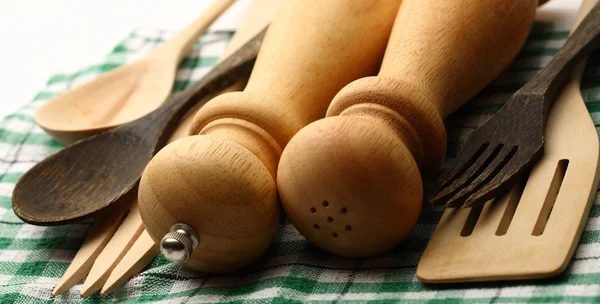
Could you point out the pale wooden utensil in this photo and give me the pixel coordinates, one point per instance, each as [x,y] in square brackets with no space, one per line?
[124,237]
[104,258]
[350,183]
[530,232]
[139,256]
[221,181]
[126,93]
[98,236]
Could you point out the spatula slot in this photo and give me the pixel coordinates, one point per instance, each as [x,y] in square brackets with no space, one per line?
[546,211]
[514,197]
[471,220]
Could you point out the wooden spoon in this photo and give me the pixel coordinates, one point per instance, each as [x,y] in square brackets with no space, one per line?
[90,175]
[126,93]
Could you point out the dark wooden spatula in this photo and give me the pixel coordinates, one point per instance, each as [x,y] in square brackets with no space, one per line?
[91,175]
[512,140]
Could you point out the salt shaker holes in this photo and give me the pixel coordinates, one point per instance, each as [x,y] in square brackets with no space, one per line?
[330,219]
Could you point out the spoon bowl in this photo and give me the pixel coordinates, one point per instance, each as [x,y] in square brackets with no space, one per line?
[125,93]
[89,161]
[115,98]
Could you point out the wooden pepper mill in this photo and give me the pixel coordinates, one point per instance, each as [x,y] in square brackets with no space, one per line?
[350,183]
[216,190]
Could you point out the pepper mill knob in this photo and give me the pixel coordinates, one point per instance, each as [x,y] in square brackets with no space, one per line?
[178,244]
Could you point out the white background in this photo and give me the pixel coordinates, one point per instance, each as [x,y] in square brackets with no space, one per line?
[39,38]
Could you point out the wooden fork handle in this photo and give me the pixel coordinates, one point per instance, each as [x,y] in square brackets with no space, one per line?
[364,158]
[221,181]
[584,40]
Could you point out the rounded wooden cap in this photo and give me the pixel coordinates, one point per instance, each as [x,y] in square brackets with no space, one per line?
[350,186]
[221,190]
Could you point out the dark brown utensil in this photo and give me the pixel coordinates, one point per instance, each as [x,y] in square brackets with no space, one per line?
[91,175]
[512,140]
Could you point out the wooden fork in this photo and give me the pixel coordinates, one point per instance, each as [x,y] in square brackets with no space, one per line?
[512,140]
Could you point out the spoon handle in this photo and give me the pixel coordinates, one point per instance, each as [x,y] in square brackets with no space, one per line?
[180,44]
[237,66]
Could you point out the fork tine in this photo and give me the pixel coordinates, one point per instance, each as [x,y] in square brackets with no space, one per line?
[143,251]
[504,156]
[125,236]
[103,229]
[502,181]
[463,160]
[464,178]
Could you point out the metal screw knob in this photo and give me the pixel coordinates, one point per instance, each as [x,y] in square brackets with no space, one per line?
[177,245]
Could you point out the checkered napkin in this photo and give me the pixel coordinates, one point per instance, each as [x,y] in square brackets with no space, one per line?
[32,259]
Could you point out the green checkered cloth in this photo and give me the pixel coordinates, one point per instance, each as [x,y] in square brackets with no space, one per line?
[32,259]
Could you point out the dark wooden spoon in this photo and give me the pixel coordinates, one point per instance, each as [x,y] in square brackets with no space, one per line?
[91,175]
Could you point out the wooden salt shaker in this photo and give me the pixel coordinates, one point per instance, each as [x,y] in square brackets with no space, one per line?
[218,186]
[350,183]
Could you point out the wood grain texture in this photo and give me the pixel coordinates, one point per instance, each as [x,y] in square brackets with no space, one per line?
[532,231]
[364,158]
[221,181]
[126,93]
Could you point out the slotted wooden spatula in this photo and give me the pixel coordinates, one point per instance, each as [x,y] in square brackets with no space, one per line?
[533,230]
